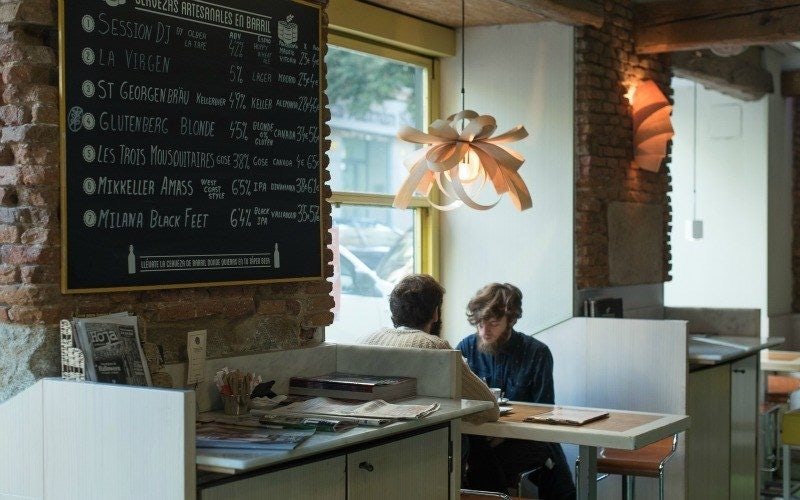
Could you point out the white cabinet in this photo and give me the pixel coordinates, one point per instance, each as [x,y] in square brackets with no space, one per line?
[415,467]
[721,441]
[709,434]
[744,428]
[323,480]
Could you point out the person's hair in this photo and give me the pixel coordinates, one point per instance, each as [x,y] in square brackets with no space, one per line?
[414,300]
[494,301]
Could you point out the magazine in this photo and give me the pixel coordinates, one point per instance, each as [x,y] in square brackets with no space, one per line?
[320,424]
[372,409]
[112,349]
[354,386]
[567,416]
[216,435]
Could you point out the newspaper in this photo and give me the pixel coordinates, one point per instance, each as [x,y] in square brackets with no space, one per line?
[371,409]
[112,349]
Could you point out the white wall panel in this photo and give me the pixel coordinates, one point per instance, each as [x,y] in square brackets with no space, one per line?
[520,74]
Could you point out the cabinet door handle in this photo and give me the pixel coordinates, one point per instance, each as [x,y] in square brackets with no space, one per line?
[739,370]
[366,466]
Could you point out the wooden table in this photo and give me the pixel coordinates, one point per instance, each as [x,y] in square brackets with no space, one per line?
[627,430]
[780,361]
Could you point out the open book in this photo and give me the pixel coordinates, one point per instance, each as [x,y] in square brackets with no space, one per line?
[372,409]
[112,350]
[567,416]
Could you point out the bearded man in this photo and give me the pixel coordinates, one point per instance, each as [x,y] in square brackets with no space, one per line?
[522,367]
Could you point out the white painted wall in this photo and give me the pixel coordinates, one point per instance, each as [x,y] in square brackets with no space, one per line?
[520,74]
[728,266]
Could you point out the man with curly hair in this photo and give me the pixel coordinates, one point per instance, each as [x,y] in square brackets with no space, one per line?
[522,367]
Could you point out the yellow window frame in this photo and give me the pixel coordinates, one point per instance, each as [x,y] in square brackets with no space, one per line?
[426,219]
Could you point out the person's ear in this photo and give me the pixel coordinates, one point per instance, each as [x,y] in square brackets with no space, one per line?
[512,322]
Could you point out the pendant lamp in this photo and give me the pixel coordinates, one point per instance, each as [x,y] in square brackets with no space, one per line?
[460,156]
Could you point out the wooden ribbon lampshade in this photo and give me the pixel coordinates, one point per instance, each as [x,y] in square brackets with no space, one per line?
[652,127]
[460,159]
[460,162]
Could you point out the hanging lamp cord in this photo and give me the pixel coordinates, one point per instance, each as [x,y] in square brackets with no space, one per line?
[463,57]
[694,159]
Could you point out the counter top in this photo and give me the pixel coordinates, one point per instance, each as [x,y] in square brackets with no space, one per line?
[780,361]
[715,349]
[235,461]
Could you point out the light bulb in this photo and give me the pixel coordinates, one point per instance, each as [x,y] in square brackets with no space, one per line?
[630,93]
[469,168]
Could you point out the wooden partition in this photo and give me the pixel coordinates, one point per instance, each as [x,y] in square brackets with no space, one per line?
[626,364]
[64,439]
[436,370]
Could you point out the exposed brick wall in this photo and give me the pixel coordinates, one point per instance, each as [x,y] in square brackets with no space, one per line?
[796,202]
[239,319]
[605,64]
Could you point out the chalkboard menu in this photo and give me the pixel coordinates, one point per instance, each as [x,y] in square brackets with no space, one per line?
[191,143]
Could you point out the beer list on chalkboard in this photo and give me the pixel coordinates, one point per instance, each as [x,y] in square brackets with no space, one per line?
[192,142]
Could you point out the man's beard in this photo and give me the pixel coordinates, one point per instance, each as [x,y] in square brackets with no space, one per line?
[492,348]
[436,328]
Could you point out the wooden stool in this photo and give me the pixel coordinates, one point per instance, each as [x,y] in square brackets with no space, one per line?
[770,430]
[780,387]
[644,462]
[790,436]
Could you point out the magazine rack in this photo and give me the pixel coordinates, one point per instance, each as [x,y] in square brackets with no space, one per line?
[73,365]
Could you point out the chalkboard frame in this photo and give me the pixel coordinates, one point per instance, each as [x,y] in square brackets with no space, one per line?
[63,214]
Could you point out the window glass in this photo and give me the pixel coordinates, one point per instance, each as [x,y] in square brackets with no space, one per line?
[376,249]
[371,97]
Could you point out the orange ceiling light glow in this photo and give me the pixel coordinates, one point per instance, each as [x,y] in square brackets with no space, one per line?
[460,162]
[652,127]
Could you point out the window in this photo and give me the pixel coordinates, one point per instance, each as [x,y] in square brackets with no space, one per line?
[373,91]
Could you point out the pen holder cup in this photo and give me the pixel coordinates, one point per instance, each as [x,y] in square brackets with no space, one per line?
[236,405]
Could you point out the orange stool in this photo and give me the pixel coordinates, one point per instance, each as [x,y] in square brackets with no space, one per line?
[644,462]
[780,387]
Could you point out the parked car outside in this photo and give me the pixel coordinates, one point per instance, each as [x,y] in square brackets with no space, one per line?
[367,239]
[363,302]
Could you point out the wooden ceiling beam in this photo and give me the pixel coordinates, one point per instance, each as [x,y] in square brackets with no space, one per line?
[675,26]
[739,76]
[571,12]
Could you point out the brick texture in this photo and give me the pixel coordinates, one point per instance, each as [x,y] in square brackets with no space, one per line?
[606,64]
[239,319]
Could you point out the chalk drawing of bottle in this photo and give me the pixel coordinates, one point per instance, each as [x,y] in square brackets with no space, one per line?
[276,257]
[131,260]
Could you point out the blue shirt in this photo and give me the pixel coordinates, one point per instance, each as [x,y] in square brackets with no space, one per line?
[523,368]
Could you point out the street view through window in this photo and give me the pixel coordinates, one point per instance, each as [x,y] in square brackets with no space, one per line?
[370,98]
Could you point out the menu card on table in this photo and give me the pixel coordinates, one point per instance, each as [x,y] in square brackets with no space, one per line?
[567,416]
